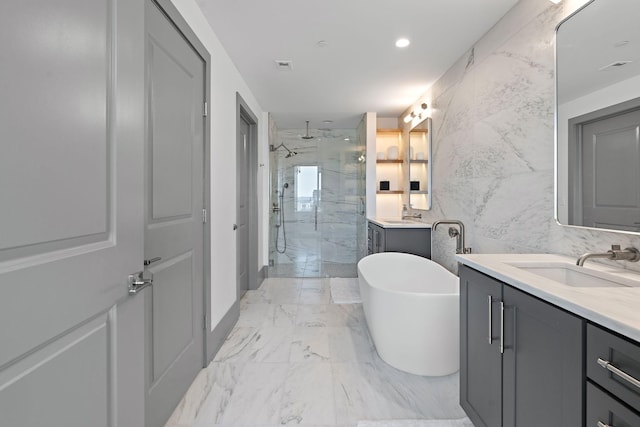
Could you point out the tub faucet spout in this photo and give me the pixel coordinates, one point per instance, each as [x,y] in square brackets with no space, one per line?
[458,234]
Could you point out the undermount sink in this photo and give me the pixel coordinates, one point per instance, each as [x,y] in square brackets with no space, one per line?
[573,275]
[400,221]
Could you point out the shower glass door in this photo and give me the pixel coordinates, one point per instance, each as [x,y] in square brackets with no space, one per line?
[315,199]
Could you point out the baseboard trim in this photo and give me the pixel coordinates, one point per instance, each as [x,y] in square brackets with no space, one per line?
[263,274]
[216,338]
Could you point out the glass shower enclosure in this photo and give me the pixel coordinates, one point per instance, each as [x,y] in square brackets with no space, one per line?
[317,203]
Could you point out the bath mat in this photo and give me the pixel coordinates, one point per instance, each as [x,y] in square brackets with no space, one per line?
[344,291]
[463,422]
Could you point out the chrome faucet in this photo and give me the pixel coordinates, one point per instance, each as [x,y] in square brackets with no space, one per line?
[458,234]
[629,254]
[407,215]
[413,215]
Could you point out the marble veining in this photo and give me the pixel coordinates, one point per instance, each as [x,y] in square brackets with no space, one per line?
[309,363]
[493,144]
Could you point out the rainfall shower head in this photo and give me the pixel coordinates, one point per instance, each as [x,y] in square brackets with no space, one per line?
[307,136]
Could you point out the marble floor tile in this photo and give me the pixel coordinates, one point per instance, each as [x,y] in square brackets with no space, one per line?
[224,378]
[255,314]
[308,395]
[238,345]
[310,345]
[256,397]
[350,344]
[271,345]
[315,296]
[315,283]
[284,315]
[309,362]
[258,296]
[378,391]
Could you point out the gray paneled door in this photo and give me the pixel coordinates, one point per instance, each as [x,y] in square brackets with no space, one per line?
[611,172]
[71,215]
[242,211]
[174,228]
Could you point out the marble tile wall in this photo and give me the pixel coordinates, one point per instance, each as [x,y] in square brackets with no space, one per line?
[493,143]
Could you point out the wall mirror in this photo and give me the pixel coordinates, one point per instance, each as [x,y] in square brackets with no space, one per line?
[598,117]
[420,165]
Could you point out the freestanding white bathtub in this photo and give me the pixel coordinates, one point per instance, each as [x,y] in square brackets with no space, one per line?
[411,307]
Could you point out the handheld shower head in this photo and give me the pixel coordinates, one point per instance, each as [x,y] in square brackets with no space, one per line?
[289,152]
[286,185]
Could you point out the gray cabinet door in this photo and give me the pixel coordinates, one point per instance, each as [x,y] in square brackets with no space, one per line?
[174,228]
[378,238]
[480,359]
[542,363]
[71,213]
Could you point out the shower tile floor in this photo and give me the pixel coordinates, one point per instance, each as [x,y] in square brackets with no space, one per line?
[294,357]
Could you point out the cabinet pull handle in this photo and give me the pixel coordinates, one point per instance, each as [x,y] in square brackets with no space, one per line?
[501,327]
[601,424]
[622,374]
[490,301]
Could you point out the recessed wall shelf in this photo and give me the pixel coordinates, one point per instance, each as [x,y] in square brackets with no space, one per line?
[419,192]
[419,161]
[389,161]
[390,192]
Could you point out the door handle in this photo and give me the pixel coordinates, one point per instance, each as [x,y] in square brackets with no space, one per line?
[235,227]
[151,261]
[490,301]
[618,372]
[137,282]
[501,327]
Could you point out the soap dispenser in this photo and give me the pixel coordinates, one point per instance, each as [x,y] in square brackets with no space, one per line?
[405,211]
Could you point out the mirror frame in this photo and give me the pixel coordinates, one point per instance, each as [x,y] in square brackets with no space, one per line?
[429,163]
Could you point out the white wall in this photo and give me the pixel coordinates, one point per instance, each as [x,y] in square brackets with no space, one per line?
[493,153]
[225,82]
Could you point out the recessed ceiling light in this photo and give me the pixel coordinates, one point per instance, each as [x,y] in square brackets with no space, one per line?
[322,43]
[284,64]
[327,122]
[402,42]
[555,1]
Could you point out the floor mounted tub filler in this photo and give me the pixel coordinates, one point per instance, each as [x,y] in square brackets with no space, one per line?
[411,305]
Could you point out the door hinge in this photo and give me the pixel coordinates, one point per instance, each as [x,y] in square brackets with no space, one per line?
[204,216]
[205,110]
[204,322]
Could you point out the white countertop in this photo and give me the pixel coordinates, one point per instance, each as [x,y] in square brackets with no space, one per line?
[616,308]
[398,223]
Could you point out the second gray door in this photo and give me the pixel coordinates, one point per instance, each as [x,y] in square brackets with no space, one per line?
[174,222]
[242,213]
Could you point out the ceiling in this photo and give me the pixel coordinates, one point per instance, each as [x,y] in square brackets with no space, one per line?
[356,67]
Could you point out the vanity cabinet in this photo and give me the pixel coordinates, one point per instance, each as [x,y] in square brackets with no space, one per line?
[521,358]
[416,241]
[613,379]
